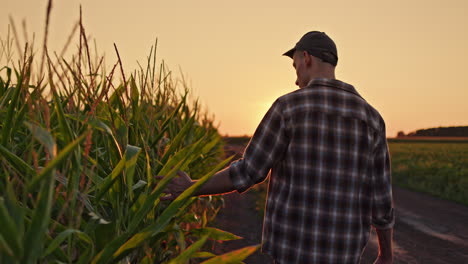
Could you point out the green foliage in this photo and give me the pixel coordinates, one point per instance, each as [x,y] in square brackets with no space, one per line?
[437,168]
[233,257]
[78,156]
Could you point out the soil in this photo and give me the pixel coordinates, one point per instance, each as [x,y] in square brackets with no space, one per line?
[427,229]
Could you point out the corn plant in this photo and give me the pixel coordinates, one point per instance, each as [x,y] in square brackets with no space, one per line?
[78,156]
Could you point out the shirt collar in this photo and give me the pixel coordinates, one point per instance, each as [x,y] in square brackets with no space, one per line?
[333,83]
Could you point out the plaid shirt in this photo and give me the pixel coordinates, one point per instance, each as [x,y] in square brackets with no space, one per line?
[330,174]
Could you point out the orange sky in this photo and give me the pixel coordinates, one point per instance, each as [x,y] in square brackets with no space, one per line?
[407,58]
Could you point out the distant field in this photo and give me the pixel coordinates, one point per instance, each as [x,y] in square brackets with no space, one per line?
[434,165]
[238,141]
[430,139]
[437,167]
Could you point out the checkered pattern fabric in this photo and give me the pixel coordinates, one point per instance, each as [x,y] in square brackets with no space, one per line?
[326,149]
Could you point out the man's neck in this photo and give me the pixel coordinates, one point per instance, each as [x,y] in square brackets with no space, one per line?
[323,74]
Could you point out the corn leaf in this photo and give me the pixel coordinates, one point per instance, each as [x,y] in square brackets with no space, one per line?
[176,142]
[44,137]
[16,162]
[233,257]
[7,124]
[64,235]
[56,161]
[203,255]
[5,248]
[168,213]
[65,129]
[34,239]
[9,231]
[165,124]
[131,158]
[189,252]
[128,161]
[215,234]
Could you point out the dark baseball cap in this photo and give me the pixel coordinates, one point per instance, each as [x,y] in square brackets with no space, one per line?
[317,44]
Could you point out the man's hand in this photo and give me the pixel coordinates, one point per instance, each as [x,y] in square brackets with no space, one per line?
[220,183]
[176,186]
[385,246]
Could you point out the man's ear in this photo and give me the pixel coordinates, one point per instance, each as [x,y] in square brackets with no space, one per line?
[307,58]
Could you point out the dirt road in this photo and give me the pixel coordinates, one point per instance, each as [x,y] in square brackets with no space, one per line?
[427,229]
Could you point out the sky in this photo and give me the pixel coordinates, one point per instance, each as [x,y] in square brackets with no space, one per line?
[406,58]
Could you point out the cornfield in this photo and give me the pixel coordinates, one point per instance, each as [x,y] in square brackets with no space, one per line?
[78,155]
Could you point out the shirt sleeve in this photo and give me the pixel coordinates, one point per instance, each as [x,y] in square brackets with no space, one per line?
[264,149]
[382,202]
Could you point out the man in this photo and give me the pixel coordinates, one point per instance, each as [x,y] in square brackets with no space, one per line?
[330,174]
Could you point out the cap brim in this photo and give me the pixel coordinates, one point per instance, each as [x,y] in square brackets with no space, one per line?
[290,52]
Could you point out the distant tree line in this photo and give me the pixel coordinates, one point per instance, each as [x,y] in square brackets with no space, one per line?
[460,131]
